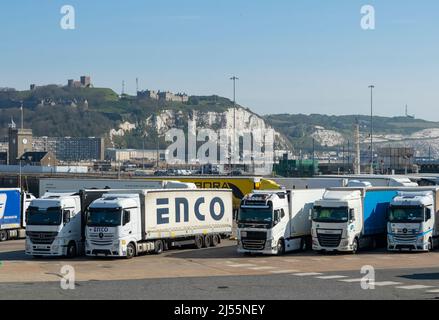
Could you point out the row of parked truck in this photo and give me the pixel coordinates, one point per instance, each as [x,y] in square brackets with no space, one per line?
[339,219]
[153,216]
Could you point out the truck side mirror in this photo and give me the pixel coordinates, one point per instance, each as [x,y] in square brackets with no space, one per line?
[351,215]
[427,214]
[126,217]
[66,216]
[310,214]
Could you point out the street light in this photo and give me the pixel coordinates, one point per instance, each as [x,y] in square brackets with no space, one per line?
[234,78]
[371,128]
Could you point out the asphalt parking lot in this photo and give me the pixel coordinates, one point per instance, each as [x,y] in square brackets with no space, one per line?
[221,273]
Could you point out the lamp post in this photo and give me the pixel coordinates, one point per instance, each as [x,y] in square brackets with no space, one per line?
[234,78]
[371,128]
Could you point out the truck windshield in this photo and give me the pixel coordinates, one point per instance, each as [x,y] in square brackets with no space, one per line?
[44,216]
[331,214]
[255,215]
[406,214]
[104,217]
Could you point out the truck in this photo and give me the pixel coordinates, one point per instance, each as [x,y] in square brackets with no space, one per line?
[56,221]
[348,219]
[13,205]
[311,183]
[152,221]
[55,224]
[275,222]
[74,185]
[413,220]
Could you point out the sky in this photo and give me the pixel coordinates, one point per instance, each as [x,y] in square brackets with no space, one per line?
[291,56]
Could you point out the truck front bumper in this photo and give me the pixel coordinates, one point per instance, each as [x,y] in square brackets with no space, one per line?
[344,246]
[105,251]
[394,245]
[266,248]
[49,250]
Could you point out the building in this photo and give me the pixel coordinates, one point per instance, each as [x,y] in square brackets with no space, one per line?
[72,148]
[169,96]
[37,158]
[85,82]
[20,141]
[133,154]
[147,94]
[396,159]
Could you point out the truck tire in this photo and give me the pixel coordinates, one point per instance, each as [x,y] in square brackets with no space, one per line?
[131,251]
[355,246]
[3,235]
[207,241]
[303,244]
[215,240]
[158,247]
[71,250]
[198,242]
[280,248]
[430,245]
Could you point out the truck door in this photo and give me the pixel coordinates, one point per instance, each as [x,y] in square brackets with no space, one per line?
[127,222]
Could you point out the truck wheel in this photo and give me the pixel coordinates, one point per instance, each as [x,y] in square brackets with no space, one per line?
[303,245]
[280,247]
[215,240]
[355,246]
[3,235]
[71,250]
[198,242]
[207,241]
[430,244]
[158,247]
[131,251]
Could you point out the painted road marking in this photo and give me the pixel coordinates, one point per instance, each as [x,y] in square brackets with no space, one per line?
[307,274]
[331,277]
[415,287]
[320,259]
[244,265]
[262,268]
[283,271]
[384,283]
[433,291]
[352,280]
[351,258]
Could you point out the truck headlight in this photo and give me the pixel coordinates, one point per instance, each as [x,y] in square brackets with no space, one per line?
[269,243]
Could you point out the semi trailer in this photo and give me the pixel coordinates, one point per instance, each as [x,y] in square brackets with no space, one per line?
[152,221]
[275,222]
[56,221]
[13,205]
[347,219]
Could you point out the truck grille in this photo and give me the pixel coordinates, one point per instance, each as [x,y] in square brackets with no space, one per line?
[41,237]
[256,235]
[405,238]
[106,240]
[253,244]
[329,240]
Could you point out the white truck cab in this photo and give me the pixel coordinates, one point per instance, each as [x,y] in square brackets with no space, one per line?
[413,222]
[53,225]
[275,222]
[113,223]
[335,224]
